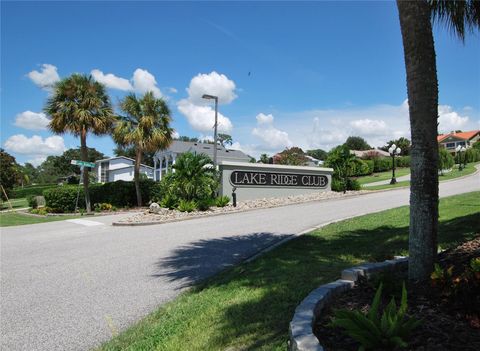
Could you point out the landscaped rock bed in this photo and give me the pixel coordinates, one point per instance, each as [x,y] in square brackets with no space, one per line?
[449,307]
[166,215]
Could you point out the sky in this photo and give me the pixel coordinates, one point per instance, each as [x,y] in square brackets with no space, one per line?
[305,74]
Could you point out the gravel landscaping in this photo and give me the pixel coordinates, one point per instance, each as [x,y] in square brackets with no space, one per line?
[166,215]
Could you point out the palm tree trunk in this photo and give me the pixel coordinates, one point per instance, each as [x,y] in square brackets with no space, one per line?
[422,86]
[84,153]
[136,175]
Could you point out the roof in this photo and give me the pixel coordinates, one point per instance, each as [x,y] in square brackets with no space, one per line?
[180,147]
[124,157]
[362,153]
[460,135]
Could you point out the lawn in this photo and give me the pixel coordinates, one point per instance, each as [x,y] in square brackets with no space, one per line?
[35,190]
[250,306]
[376,177]
[16,203]
[8,219]
[454,173]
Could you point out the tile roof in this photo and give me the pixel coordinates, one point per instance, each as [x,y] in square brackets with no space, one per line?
[461,135]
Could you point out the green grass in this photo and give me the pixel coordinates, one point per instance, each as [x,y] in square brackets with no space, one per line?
[16,203]
[8,219]
[250,306]
[376,177]
[454,173]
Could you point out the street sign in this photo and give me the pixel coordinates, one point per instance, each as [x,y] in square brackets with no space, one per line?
[82,163]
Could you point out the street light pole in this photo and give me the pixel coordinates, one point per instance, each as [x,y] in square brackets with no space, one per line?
[394,151]
[215,134]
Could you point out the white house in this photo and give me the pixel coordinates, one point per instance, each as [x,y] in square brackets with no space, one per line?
[164,159]
[119,168]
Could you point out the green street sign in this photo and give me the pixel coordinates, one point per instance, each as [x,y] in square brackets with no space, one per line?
[82,163]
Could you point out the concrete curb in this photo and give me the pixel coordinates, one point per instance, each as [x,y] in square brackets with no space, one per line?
[301,326]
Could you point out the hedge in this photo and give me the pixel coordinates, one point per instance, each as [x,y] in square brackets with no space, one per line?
[382,164]
[119,194]
[472,155]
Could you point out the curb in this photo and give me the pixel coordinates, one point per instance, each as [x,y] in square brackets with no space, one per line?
[301,336]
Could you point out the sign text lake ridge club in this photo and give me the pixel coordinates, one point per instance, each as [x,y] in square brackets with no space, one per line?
[274,179]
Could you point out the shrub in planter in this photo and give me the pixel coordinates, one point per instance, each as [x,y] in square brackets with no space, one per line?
[103,207]
[222,201]
[204,204]
[169,201]
[186,205]
[351,184]
[32,201]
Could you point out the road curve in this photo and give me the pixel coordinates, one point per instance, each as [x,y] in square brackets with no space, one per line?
[72,285]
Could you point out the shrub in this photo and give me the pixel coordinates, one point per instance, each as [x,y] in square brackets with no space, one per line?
[222,201]
[339,185]
[39,211]
[472,155]
[353,184]
[32,201]
[403,161]
[360,168]
[103,207]
[386,332]
[204,204]
[445,160]
[169,201]
[370,165]
[186,205]
[62,199]
[382,164]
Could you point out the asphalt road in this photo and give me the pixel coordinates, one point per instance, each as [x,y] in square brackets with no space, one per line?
[71,285]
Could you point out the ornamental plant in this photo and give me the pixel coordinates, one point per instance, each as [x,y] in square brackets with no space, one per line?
[373,331]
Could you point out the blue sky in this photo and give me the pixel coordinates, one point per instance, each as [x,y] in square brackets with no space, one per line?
[307,74]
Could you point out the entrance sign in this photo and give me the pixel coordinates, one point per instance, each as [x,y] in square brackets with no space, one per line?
[82,163]
[253,178]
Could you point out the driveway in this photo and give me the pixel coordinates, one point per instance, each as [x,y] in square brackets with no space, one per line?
[71,285]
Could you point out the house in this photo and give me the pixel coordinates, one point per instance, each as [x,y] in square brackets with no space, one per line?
[164,159]
[119,168]
[369,153]
[451,140]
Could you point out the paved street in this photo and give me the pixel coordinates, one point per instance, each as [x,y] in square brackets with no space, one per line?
[71,285]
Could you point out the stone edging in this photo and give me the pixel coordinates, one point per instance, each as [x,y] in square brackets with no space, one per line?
[301,337]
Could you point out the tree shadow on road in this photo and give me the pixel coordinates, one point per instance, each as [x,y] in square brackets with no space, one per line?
[201,259]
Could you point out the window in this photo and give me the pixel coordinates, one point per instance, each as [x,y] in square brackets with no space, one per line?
[461,143]
[104,167]
[450,145]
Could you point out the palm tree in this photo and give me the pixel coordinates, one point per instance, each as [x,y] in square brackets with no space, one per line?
[422,89]
[146,127]
[79,105]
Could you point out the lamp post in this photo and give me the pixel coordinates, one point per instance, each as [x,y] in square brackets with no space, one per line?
[394,151]
[215,136]
[460,149]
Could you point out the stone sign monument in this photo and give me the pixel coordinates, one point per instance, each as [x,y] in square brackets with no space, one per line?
[255,180]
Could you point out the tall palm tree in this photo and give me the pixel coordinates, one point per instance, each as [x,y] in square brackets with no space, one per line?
[146,127]
[79,105]
[422,88]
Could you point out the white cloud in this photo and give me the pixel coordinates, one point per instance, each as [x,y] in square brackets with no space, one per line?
[37,161]
[35,147]
[271,137]
[32,120]
[111,81]
[449,119]
[175,135]
[198,111]
[212,84]
[202,118]
[172,90]
[369,127]
[144,81]
[46,78]
[264,119]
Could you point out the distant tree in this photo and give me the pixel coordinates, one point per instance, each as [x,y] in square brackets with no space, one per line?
[357,143]
[445,160]
[342,162]
[8,171]
[79,105]
[31,171]
[130,153]
[293,156]
[319,154]
[225,139]
[252,159]
[186,138]
[146,127]
[402,143]
[64,161]
[264,158]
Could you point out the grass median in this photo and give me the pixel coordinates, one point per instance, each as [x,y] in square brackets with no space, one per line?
[8,219]
[376,177]
[249,306]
